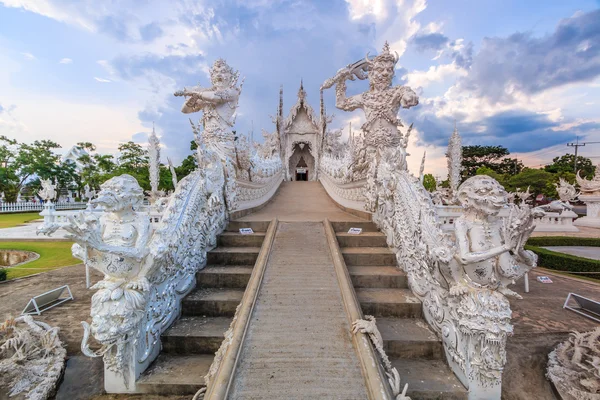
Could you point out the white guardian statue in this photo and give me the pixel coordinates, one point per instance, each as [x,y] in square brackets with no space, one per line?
[380,103]
[218,104]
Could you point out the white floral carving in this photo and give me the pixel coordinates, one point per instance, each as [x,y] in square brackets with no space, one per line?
[32,357]
[574,366]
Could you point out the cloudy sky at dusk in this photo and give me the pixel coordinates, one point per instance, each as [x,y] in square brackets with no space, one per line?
[519,73]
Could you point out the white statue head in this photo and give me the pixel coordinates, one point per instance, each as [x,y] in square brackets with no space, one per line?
[120,193]
[482,193]
[566,191]
[222,75]
[381,68]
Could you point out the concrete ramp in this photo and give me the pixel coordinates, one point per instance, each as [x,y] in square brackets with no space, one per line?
[298,343]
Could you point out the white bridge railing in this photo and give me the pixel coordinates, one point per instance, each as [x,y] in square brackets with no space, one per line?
[549,222]
[37,206]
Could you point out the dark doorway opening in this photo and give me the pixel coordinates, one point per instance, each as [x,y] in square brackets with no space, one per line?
[301,170]
[301,175]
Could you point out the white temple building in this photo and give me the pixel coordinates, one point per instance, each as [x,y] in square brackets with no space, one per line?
[73,154]
[301,138]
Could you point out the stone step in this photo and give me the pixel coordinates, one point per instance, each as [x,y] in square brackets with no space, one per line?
[195,335]
[368,256]
[429,379]
[409,338]
[235,239]
[257,226]
[377,276]
[224,276]
[212,302]
[174,374]
[365,239]
[379,302]
[233,255]
[345,226]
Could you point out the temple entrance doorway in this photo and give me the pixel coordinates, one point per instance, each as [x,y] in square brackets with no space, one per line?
[302,163]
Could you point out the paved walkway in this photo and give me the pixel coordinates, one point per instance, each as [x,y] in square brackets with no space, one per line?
[301,201]
[28,232]
[299,341]
[579,251]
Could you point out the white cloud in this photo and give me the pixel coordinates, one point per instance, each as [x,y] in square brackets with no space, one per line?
[393,19]
[439,73]
[362,8]
[28,56]
[62,12]
[65,61]
[104,125]
[102,80]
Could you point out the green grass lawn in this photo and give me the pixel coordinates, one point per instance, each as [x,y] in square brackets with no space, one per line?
[10,220]
[53,255]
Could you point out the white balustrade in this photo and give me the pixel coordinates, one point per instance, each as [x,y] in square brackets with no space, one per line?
[549,222]
[37,206]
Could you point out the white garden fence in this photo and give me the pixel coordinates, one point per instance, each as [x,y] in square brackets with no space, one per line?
[37,206]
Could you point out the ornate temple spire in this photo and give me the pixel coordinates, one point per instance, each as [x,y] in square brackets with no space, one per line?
[279,120]
[454,160]
[154,166]
[301,92]
[422,169]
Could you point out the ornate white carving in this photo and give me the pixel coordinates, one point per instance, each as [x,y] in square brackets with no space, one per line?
[32,357]
[218,104]
[154,165]
[369,326]
[454,158]
[146,273]
[48,190]
[462,284]
[269,147]
[589,187]
[590,195]
[380,103]
[574,366]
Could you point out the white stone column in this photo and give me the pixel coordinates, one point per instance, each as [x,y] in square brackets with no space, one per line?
[592,218]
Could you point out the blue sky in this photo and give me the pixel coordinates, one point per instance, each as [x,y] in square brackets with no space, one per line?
[522,74]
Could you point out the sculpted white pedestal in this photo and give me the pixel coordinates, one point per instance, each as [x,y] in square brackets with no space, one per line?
[592,218]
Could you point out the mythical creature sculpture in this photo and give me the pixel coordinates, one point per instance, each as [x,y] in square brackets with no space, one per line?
[574,366]
[218,104]
[380,103]
[48,191]
[490,251]
[115,244]
[589,187]
[461,283]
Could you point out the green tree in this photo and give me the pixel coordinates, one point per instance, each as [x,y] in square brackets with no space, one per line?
[477,156]
[132,156]
[429,182]
[566,163]
[20,161]
[105,163]
[189,164]
[537,180]
[508,166]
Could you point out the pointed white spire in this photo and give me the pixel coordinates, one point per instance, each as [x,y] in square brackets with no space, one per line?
[154,156]
[455,158]
[422,169]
